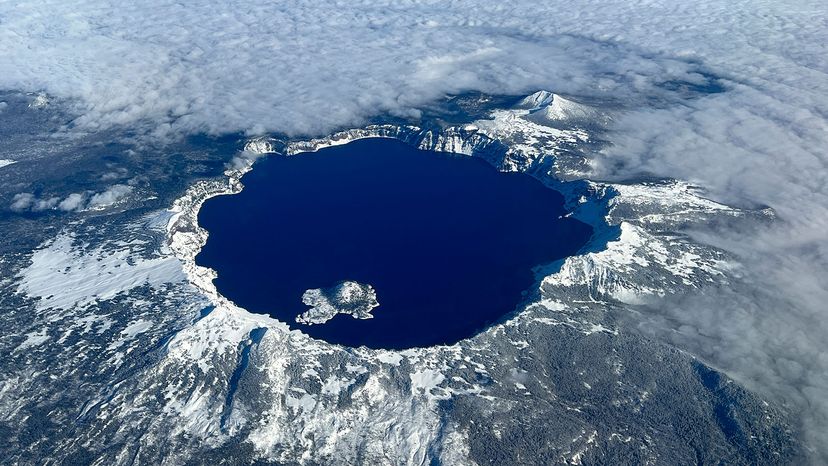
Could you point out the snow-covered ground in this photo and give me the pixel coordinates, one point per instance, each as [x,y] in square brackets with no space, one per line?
[138,309]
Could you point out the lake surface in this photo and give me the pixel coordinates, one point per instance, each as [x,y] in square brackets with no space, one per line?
[447,242]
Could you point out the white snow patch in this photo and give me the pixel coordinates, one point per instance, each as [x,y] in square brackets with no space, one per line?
[334,385]
[305,403]
[40,101]
[391,358]
[666,262]
[62,275]
[136,328]
[34,339]
[423,381]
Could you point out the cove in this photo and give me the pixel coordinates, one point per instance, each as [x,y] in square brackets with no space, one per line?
[445,243]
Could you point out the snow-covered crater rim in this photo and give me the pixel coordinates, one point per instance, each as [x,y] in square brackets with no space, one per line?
[479,138]
[186,237]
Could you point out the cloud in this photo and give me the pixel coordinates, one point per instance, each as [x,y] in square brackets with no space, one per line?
[22,201]
[114,174]
[174,68]
[245,66]
[28,201]
[763,142]
[113,194]
[73,202]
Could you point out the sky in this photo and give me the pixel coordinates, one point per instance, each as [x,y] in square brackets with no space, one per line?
[311,67]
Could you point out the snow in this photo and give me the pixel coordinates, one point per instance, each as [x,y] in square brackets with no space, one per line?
[349,298]
[63,274]
[667,203]
[537,100]
[564,110]
[392,358]
[135,328]
[626,269]
[578,455]
[40,101]
[356,369]
[316,401]
[334,385]
[350,401]
[425,380]
[304,404]
[456,448]
[34,339]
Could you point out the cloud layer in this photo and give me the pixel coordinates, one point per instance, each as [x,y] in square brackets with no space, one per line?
[308,67]
[311,66]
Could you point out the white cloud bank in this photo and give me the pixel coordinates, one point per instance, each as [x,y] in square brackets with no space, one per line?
[309,66]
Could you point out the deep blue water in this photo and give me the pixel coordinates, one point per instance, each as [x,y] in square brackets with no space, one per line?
[447,241]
